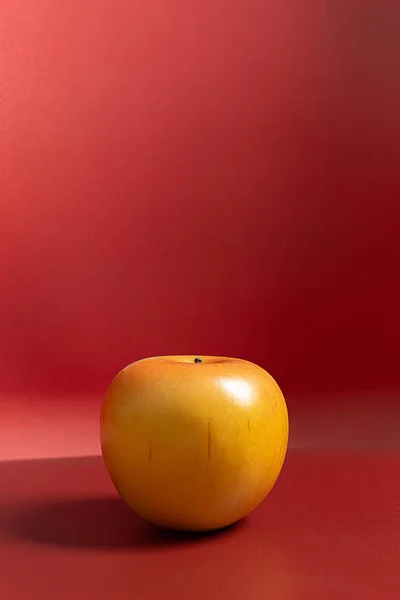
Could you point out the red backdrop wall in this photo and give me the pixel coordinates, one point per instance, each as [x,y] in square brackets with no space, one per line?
[209,177]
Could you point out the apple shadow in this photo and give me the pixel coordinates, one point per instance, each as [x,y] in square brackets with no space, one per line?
[97,523]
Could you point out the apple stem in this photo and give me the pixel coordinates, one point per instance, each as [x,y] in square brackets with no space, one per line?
[198,360]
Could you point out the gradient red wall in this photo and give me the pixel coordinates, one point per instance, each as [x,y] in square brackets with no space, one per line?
[209,177]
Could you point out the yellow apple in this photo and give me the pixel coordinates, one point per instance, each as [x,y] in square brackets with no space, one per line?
[193,442]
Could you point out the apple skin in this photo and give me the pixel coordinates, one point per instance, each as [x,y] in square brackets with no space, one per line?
[193,445]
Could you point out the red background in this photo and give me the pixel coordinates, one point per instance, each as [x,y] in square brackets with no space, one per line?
[195,176]
[182,177]
[202,177]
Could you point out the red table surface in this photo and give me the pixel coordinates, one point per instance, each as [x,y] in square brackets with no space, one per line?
[329,529]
